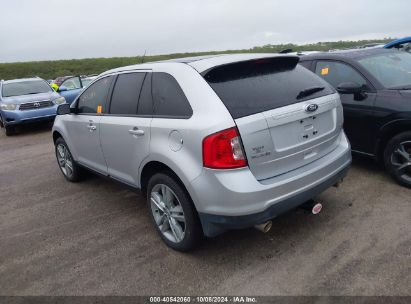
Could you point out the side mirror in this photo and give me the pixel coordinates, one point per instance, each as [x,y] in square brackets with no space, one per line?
[349,88]
[64,109]
[62,89]
[352,88]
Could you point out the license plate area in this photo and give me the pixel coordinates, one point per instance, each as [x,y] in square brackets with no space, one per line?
[302,131]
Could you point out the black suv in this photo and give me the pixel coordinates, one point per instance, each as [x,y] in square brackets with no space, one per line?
[375,88]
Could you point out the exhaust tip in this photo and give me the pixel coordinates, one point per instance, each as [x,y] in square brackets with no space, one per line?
[317,208]
[265,227]
[312,206]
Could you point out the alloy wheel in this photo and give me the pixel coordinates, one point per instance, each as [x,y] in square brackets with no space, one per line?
[168,213]
[401,160]
[64,159]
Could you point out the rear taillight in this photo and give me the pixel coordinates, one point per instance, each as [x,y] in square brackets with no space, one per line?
[223,150]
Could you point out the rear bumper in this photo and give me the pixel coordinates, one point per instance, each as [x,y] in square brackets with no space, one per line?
[20,117]
[235,199]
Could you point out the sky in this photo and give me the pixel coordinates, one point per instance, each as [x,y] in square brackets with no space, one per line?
[56,29]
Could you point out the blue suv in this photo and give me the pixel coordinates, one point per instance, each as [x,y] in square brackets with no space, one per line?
[26,100]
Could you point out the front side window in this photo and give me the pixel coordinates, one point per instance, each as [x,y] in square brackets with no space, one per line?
[126,93]
[169,99]
[71,83]
[94,98]
[25,88]
[392,70]
[336,73]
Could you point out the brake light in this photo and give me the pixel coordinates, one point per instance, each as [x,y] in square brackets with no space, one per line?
[223,150]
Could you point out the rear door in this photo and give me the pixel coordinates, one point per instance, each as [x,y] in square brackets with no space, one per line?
[287,117]
[125,130]
[84,126]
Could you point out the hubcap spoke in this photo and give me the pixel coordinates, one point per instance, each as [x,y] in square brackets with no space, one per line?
[403,153]
[402,169]
[177,213]
[156,200]
[60,149]
[165,226]
[61,162]
[69,167]
[177,231]
[167,196]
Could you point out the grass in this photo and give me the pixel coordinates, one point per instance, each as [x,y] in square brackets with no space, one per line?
[53,69]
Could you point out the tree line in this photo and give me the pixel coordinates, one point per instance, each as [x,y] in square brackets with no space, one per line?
[55,68]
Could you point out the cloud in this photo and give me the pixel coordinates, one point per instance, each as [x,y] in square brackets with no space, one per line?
[47,29]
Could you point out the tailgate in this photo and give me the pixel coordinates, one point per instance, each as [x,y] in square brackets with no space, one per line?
[280,140]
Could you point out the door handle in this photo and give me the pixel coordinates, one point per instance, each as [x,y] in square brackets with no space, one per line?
[91,126]
[136,131]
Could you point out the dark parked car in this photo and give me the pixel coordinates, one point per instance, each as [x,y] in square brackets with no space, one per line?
[375,88]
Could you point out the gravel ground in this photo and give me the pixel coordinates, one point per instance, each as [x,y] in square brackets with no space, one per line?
[95,238]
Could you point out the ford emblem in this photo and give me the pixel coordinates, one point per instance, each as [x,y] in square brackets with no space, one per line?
[311,107]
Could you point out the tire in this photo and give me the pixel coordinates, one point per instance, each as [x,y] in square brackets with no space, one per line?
[397,158]
[166,213]
[70,169]
[9,130]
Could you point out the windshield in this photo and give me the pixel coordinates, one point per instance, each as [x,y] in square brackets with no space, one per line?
[25,88]
[393,70]
[86,81]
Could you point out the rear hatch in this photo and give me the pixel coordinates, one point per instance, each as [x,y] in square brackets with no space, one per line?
[287,116]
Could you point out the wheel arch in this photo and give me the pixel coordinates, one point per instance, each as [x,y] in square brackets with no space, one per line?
[56,135]
[388,131]
[153,167]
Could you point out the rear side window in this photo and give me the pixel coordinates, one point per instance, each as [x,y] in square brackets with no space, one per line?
[260,85]
[306,64]
[169,99]
[126,93]
[94,98]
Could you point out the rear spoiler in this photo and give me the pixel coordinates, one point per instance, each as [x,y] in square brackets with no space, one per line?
[248,68]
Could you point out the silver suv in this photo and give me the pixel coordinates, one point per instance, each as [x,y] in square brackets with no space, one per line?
[216,143]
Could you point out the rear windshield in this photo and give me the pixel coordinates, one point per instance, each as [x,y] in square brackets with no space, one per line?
[25,88]
[260,85]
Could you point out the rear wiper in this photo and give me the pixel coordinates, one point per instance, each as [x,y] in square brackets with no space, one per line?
[309,91]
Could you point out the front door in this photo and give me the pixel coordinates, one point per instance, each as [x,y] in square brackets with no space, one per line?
[359,119]
[84,126]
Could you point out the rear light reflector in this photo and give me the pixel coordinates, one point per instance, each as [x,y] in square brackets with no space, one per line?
[223,150]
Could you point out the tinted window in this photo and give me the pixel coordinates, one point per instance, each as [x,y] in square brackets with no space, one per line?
[169,99]
[71,83]
[145,104]
[393,70]
[259,85]
[93,99]
[25,88]
[126,93]
[336,73]
[306,64]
